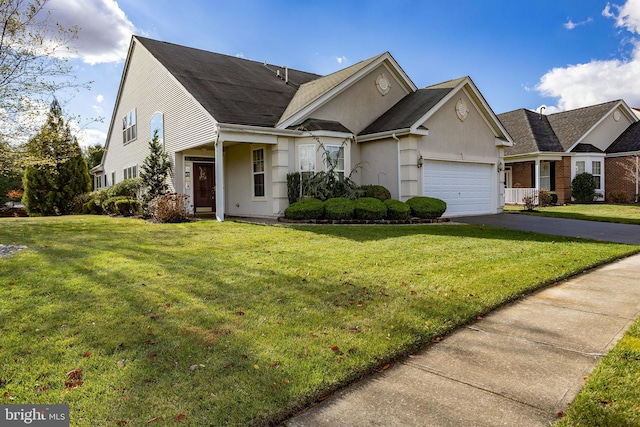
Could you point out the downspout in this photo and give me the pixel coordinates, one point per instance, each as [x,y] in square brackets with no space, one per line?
[219,161]
[393,135]
[637,175]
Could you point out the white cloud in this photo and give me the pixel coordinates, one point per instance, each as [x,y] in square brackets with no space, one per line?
[341,59]
[100,98]
[599,81]
[570,25]
[104,30]
[87,137]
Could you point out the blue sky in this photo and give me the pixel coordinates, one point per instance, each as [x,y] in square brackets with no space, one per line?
[563,54]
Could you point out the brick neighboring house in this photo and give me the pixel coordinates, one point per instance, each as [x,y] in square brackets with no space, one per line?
[623,166]
[550,150]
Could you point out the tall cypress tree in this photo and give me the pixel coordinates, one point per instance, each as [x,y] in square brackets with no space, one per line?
[55,169]
[155,170]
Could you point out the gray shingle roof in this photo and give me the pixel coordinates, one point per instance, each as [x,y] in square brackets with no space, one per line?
[628,141]
[531,132]
[233,90]
[572,125]
[586,148]
[406,112]
[312,124]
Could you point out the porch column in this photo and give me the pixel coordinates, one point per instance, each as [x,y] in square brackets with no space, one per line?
[220,196]
[536,184]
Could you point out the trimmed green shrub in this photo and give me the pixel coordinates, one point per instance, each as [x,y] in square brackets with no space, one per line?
[305,209]
[369,208]
[338,208]
[109,205]
[128,207]
[92,207]
[427,207]
[79,201]
[397,210]
[583,188]
[377,191]
[128,187]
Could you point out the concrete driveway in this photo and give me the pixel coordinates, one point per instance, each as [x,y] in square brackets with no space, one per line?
[605,231]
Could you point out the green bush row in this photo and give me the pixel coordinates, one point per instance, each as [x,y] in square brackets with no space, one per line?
[366,208]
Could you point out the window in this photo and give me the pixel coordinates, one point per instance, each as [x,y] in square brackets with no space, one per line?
[596,171]
[335,159]
[131,172]
[307,160]
[580,167]
[98,181]
[113,178]
[545,176]
[258,173]
[129,127]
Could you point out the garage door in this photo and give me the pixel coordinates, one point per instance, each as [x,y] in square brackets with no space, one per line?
[466,187]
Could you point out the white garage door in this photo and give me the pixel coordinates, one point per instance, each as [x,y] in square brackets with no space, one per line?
[466,187]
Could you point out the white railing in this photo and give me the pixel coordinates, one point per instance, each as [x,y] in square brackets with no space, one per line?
[515,196]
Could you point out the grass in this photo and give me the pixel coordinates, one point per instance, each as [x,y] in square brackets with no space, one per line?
[610,397]
[212,323]
[624,214]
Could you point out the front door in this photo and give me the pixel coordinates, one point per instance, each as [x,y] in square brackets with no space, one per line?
[204,183]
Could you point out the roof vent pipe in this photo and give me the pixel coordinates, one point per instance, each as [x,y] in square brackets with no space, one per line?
[286,74]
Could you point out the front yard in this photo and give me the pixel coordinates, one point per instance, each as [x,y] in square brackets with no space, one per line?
[212,323]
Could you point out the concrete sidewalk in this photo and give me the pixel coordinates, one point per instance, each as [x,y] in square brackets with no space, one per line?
[519,366]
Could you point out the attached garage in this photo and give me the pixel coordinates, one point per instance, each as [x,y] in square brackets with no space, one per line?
[467,188]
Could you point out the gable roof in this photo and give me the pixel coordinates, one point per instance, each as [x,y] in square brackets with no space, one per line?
[232,90]
[570,126]
[628,141]
[530,131]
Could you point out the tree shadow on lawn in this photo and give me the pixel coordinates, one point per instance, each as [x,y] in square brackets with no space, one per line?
[366,233]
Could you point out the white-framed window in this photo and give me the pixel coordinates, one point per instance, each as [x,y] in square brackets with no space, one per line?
[130,172]
[157,124]
[335,158]
[97,181]
[307,160]
[580,167]
[258,172]
[129,127]
[596,171]
[545,176]
[113,177]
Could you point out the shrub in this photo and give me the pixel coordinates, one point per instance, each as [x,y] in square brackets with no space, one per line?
[79,201]
[529,203]
[377,191]
[305,209]
[545,198]
[128,187]
[369,208]
[293,186]
[397,210]
[128,207]
[92,207]
[109,205]
[619,196]
[583,188]
[338,208]
[427,207]
[170,208]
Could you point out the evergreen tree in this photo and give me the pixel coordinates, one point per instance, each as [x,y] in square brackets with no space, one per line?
[56,171]
[155,170]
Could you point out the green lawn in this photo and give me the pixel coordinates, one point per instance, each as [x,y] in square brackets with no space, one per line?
[625,214]
[212,323]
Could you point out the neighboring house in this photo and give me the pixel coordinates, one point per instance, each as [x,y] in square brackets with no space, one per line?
[550,150]
[235,128]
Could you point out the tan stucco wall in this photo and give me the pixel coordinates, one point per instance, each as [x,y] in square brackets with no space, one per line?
[347,107]
[381,164]
[238,176]
[607,131]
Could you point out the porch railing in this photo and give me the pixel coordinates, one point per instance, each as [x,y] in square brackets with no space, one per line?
[515,196]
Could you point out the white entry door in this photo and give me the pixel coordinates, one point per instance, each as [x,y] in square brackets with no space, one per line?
[467,188]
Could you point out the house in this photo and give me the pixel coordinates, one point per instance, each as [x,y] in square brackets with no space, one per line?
[550,150]
[234,128]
